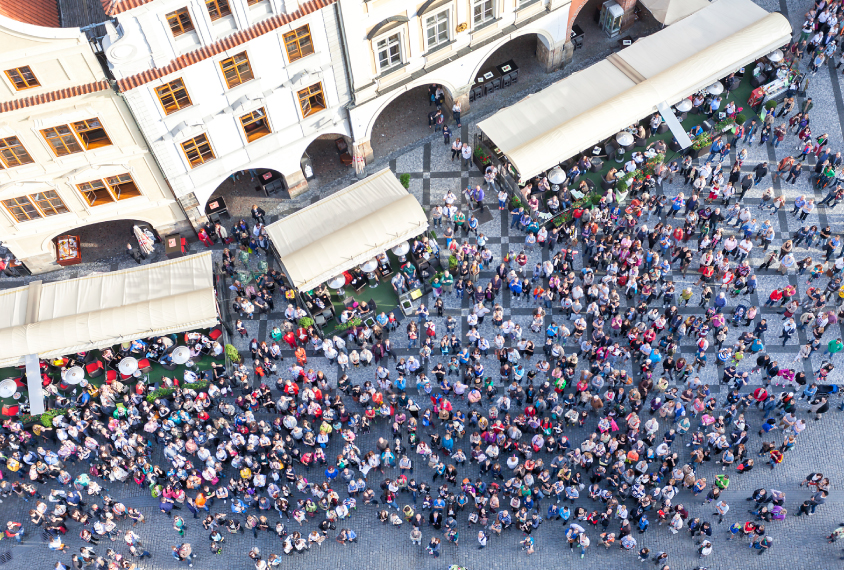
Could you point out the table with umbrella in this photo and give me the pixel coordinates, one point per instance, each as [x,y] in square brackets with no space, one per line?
[684,106]
[7,388]
[716,88]
[74,375]
[556,176]
[128,366]
[338,283]
[180,355]
[369,268]
[776,56]
[400,251]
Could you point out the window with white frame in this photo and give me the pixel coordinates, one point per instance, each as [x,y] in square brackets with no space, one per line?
[388,51]
[482,11]
[436,30]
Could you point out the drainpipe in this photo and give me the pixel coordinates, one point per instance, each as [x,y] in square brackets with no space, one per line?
[347,67]
[155,158]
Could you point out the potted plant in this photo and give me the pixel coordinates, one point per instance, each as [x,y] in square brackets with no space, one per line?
[700,145]
[481,158]
[741,118]
[232,354]
[306,322]
[405,180]
[516,202]
[452,263]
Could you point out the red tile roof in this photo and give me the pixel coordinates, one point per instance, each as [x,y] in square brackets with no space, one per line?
[75,91]
[37,12]
[113,7]
[227,43]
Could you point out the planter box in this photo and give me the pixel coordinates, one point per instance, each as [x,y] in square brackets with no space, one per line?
[698,153]
[480,165]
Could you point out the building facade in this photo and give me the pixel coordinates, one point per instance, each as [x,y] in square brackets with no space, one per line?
[221,86]
[395,46]
[70,152]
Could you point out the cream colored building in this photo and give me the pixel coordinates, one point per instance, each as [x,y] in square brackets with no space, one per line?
[71,153]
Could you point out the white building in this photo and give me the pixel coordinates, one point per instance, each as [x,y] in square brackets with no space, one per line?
[395,46]
[70,152]
[220,86]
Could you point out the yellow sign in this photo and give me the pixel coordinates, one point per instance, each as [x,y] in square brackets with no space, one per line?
[462,27]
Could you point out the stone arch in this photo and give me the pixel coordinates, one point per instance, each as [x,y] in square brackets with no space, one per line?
[544,36]
[47,243]
[399,92]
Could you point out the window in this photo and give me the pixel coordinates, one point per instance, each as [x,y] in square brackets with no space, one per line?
[180,22]
[298,43]
[35,206]
[436,29]
[389,51]
[253,2]
[482,11]
[218,8]
[61,140]
[198,150]
[92,134]
[236,70]
[255,124]
[22,78]
[112,189]
[173,96]
[12,153]
[311,100]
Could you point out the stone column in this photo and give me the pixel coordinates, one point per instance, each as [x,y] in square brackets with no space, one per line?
[554,57]
[193,210]
[628,18]
[461,94]
[296,182]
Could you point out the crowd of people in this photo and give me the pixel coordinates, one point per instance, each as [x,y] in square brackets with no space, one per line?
[455,430]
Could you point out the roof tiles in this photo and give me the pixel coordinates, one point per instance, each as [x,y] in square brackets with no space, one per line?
[67,93]
[37,12]
[220,46]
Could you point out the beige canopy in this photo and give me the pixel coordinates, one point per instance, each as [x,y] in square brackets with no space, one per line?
[66,317]
[346,229]
[590,106]
[669,11]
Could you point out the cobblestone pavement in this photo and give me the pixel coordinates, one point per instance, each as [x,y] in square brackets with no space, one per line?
[799,542]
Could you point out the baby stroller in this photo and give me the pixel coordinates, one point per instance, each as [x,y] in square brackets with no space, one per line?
[739,313]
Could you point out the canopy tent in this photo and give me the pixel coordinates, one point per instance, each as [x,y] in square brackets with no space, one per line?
[668,12]
[346,229]
[65,317]
[592,105]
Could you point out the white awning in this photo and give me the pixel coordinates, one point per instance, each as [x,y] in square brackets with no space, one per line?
[669,11]
[346,229]
[548,128]
[66,317]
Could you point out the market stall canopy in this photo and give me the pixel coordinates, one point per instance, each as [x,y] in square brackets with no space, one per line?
[65,317]
[670,11]
[346,229]
[587,107]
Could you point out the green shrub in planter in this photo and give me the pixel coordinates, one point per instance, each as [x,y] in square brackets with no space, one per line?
[405,180]
[46,419]
[232,353]
[772,104]
[741,119]
[452,263]
[516,202]
[306,322]
[166,392]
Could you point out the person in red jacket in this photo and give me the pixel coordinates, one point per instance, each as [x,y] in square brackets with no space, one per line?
[776,296]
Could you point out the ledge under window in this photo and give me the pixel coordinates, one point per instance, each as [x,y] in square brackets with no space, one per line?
[441,46]
[391,70]
[527,4]
[486,24]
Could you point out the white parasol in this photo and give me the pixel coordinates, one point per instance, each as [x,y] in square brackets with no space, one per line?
[74,375]
[180,355]
[128,365]
[144,241]
[556,175]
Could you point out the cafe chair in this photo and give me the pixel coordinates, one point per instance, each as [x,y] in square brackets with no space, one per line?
[514,76]
[578,42]
[319,319]
[144,365]
[477,93]
[167,366]
[95,368]
[111,376]
[215,333]
[506,80]
[11,411]
[496,84]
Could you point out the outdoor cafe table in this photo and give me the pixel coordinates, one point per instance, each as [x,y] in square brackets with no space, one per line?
[128,365]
